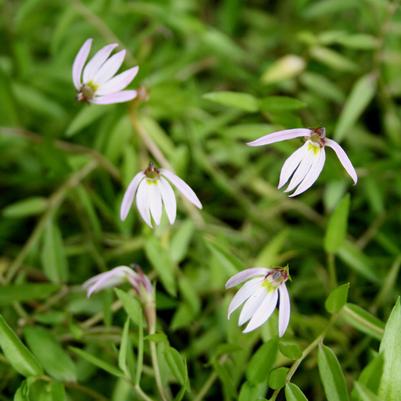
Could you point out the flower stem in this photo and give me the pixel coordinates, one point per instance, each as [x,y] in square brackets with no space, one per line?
[332,270]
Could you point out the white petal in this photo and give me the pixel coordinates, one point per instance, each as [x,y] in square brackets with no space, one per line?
[109,68]
[284,310]
[79,63]
[130,194]
[290,165]
[243,294]
[344,160]
[143,203]
[246,274]
[169,200]
[313,173]
[155,199]
[302,170]
[251,305]
[263,313]
[182,186]
[97,61]
[118,83]
[281,136]
[119,97]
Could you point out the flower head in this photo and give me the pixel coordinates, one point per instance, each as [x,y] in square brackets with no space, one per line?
[306,163]
[139,281]
[97,82]
[151,189]
[259,296]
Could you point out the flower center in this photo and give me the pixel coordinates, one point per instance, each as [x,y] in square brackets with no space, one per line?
[275,278]
[318,137]
[87,91]
[314,147]
[152,174]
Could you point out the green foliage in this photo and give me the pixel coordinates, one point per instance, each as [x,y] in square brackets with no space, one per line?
[337,298]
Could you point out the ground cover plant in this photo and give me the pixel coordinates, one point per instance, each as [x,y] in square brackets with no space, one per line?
[147,251]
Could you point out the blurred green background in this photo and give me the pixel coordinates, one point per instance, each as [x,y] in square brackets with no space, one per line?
[65,167]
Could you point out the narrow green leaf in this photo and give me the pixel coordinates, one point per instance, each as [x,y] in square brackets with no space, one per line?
[261,363]
[390,347]
[242,101]
[331,375]
[26,207]
[290,350]
[337,298]
[86,116]
[19,356]
[361,95]
[180,241]
[280,103]
[371,375]
[50,354]
[337,226]
[364,394]
[177,365]
[25,292]
[124,349]
[294,393]
[131,305]
[286,67]
[278,378]
[332,59]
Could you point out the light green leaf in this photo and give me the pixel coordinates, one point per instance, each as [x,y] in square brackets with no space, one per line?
[286,67]
[278,377]
[331,375]
[26,207]
[124,349]
[86,116]
[322,86]
[131,305]
[177,365]
[290,349]
[361,95]
[332,59]
[180,241]
[261,363]
[280,103]
[25,292]
[337,298]
[364,394]
[242,101]
[371,375]
[19,356]
[294,393]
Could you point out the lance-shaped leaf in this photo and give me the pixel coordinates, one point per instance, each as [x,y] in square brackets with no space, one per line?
[294,393]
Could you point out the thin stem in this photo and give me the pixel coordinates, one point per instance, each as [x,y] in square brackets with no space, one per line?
[141,393]
[332,270]
[206,386]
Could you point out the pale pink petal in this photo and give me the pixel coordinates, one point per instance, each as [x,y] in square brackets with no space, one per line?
[281,136]
[119,97]
[302,170]
[182,186]
[246,274]
[264,311]
[169,200]
[130,194]
[117,83]
[313,173]
[109,68]
[251,305]
[97,61]
[155,204]
[344,160]
[143,202]
[79,63]
[291,164]
[243,294]
[284,310]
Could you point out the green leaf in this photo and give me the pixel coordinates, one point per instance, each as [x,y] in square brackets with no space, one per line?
[50,354]
[371,375]
[124,349]
[337,226]
[361,95]
[363,321]
[322,86]
[290,350]
[280,103]
[332,59]
[86,116]
[19,356]
[294,393]
[252,392]
[261,363]
[278,377]
[286,67]
[331,375]
[177,365]
[390,347]
[364,394]
[180,241]
[242,101]
[131,305]
[26,207]
[337,298]
[162,263]
[25,292]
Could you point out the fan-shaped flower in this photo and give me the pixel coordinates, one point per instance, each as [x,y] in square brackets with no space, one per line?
[259,296]
[151,189]
[97,82]
[304,166]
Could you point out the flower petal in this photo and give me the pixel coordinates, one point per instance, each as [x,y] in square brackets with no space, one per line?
[344,159]
[79,63]
[313,173]
[284,310]
[182,186]
[290,165]
[246,274]
[118,83]
[169,200]
[109,68]
[97,61]
[155,201]
[143,203]
[119,97]
[279,136]
[129,195]
[251,305]
[264,311]
[247,290]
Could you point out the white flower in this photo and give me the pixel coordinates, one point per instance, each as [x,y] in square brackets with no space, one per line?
[117,276]
[259,296]
[152,190]
[306,163]
[97,82]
